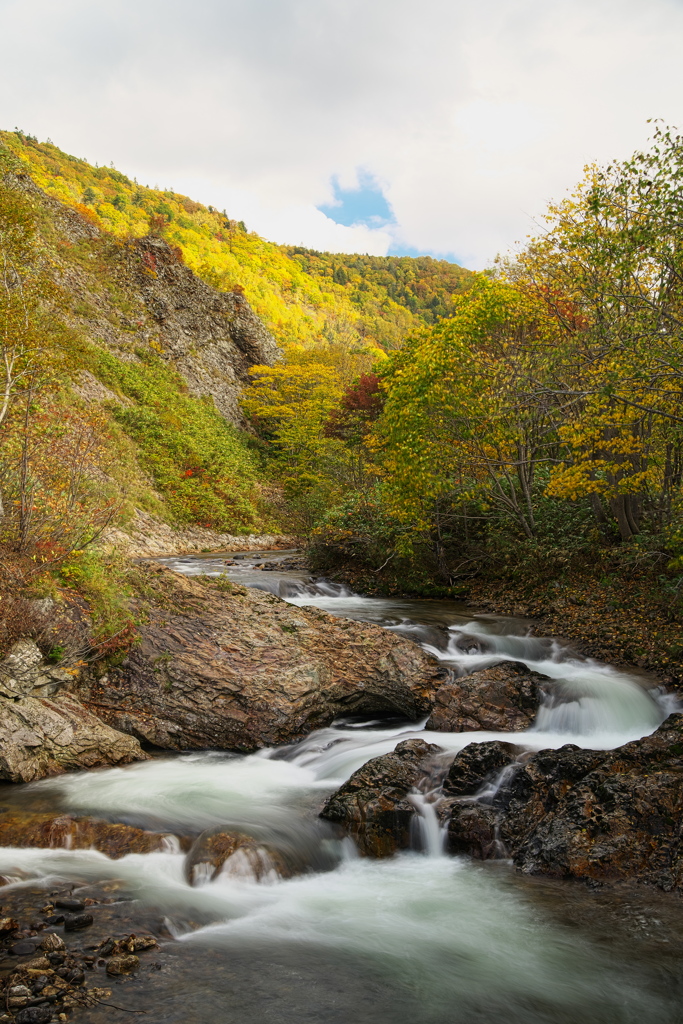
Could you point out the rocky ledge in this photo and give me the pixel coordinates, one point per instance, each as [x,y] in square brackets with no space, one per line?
[589,814]
[223,667]
[594,815]
[46,731]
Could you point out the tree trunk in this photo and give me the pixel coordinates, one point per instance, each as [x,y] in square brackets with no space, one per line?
[619,511]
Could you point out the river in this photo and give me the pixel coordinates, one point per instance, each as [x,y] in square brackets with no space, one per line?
[422,937]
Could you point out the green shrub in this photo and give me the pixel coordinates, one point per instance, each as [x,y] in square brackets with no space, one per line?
[202,465]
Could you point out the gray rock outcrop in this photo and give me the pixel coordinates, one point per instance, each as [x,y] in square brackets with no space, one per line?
[241,669]
[45,730]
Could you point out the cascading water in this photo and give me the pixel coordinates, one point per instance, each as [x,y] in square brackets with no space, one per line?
[432,940]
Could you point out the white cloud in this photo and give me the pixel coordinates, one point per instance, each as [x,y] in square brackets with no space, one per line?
[472,116]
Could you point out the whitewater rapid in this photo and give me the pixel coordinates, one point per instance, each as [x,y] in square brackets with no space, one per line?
[455,938]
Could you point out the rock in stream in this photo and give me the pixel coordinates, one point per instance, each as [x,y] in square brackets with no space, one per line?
[238,669]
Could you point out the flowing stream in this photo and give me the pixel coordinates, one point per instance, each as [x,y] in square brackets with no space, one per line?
[421,937]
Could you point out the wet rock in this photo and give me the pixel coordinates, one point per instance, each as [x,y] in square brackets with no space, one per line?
[503,698]
[472,830]
[8,924]
[123,964]
[233,854]
[476,765]
[76,922]
[34,1015]
[75,906]
[52,943]
[468,791]
[373,806]
[131,944]
[19,992]
[62,830]
[40,963]
[596,815]
[244,669]
[24,948]
[41,736]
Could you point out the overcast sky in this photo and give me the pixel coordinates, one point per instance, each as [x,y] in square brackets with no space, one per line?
[376,126]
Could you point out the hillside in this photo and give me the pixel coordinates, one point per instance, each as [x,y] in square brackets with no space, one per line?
[424,286]
[305,298]
[127,373]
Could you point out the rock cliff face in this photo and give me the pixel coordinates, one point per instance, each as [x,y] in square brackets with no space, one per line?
[240,669]
[211,337]
[147,536]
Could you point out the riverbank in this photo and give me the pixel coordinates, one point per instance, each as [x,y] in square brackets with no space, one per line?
[146,536]
[622,617]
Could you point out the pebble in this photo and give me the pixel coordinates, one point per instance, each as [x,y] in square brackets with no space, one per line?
[41,963]
[51,943]
[34,1015]
[23,948]
[74,922]
[73,905]
[123,964]
[19,991]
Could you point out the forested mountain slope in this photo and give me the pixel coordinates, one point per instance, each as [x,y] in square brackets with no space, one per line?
[305,298]
[124,370]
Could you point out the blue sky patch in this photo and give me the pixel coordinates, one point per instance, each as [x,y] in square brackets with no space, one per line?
[363,205]
[408,250]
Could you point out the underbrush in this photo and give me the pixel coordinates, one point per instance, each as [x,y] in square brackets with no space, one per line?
[105,582]
[205,469]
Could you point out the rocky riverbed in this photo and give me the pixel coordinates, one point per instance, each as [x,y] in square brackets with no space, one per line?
[324,725]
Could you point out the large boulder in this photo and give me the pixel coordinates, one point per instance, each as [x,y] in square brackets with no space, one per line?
[222,667]
[501,698]
[374,806]
[41,736]
[589,814]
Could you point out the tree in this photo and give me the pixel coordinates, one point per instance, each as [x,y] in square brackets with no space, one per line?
[457,420]
[23,290]
[609,270]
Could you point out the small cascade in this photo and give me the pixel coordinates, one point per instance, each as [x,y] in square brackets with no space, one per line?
[299,592]
[431,833]
[490,790]
[254,865]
